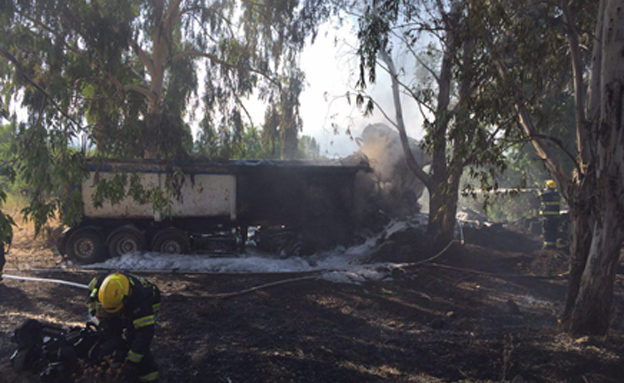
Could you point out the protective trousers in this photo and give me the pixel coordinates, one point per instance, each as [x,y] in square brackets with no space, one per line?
[550,231]
[2,260]
[147,369]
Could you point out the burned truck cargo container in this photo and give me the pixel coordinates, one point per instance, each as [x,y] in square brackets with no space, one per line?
[293,207]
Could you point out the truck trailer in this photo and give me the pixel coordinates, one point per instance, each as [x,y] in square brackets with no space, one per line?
[293,207]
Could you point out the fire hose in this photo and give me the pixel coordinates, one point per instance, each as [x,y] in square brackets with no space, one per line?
[45,280]
[220,295]
[425,262]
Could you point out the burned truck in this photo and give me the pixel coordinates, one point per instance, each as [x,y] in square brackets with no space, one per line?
[291,206]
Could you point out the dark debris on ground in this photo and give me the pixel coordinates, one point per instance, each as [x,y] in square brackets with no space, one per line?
[426,324]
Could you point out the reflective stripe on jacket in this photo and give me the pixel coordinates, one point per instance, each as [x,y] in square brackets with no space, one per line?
[550,201]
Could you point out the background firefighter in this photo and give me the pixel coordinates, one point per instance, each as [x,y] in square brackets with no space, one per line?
[125,306]
[549,210]
[6,235]
[2,260]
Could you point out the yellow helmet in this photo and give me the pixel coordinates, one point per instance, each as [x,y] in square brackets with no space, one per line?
[551,184]
[111,294]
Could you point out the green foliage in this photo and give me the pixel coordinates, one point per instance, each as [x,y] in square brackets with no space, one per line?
[6,221]
[52,170]
[222,145]
[529,39]
[129,69]
[271,140]
[309,148]
[251,143]
[119,184]
[289,121]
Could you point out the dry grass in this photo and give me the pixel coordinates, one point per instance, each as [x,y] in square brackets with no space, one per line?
[28,251]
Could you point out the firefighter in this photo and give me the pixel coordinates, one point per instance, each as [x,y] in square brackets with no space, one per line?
[6,235]
[549,210]
[125,306]
[2,259]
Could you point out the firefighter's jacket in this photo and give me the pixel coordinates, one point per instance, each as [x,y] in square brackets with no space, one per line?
[136,316]
[550,201]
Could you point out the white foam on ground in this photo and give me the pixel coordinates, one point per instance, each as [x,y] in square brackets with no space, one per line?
[340,265]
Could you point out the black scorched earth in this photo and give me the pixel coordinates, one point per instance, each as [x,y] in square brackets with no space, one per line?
[423,324]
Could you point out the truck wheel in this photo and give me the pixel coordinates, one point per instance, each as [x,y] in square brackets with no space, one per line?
[171,241]
[292,248]
[85,246]
[125,240]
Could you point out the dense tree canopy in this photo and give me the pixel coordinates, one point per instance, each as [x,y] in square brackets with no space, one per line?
[129,70]
[127,78]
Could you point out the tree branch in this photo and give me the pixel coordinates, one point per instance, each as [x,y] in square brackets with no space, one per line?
[409,90]
[111,77]
[142,90]
[172,13]
[21,70]
[383,111]
[143,56]
[407,151]
[559,143]
[542,150]
[579,90]
[524,117]
[483,148]
[409,47]
[217,60]
[227,22]
[242,105]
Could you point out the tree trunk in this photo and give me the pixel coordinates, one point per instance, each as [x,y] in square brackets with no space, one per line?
[580,190]
[580,241]
[438,199]
[442,223]
[592,309]
[591,314]
[155,123]
[289,150]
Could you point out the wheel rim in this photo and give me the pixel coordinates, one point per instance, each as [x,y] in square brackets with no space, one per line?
[84,248]
[171,246]
[127,245]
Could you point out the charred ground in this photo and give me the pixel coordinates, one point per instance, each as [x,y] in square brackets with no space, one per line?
[426,324]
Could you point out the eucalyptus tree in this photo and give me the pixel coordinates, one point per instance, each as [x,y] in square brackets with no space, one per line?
[596,189]
[508,59]
[125,77]
[528,41]
[453,96]
[130,69]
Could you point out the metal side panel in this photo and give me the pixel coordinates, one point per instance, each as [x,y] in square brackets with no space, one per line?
[126,208]
[210,195]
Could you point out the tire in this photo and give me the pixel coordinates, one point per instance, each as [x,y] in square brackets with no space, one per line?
[125,240]
[292,248]
[171,241]
[86,246]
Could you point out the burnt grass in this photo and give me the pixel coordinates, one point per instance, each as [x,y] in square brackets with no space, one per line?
[426,324]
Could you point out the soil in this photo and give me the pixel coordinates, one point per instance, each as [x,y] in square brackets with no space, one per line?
[426,324]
